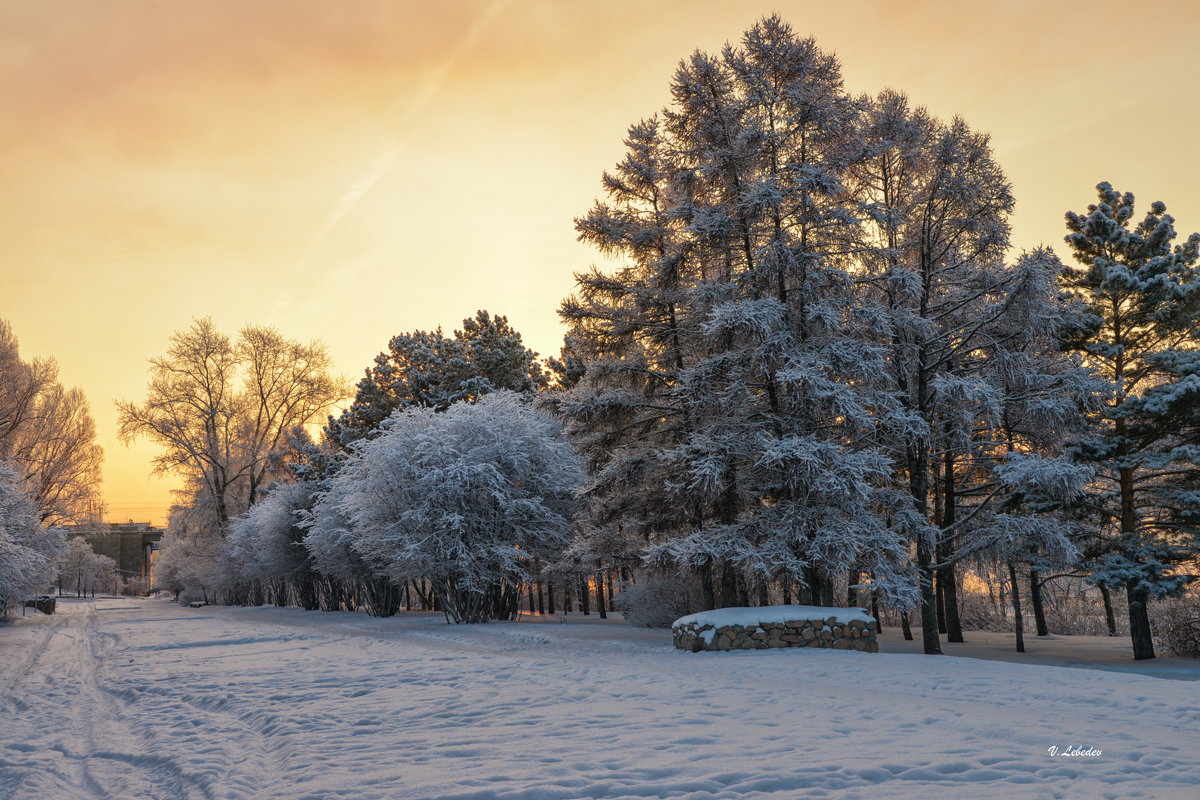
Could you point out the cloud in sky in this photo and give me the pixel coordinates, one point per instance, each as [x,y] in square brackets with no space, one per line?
[421,160]
[430,87]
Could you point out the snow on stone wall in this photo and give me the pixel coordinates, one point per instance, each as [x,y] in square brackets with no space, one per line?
[777,626]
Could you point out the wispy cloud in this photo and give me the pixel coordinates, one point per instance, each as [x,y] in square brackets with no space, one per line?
[361,187]
[386,159]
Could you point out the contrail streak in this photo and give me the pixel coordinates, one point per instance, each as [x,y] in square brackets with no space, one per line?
[383,162]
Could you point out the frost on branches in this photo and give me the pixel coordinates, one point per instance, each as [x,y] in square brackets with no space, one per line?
[427,369]
[810,355]
[29,552]
[732,406]
[1141,292]
[466,499]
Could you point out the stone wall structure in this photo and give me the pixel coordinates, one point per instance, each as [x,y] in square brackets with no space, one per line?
[777,626]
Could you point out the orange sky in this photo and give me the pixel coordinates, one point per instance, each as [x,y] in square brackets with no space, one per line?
[350,170]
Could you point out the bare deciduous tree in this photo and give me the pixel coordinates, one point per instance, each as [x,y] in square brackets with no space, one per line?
[220,408]
[48,430]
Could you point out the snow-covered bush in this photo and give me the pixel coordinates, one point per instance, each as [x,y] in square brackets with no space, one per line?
[1176,625]
[467,499]
[658,599]
[136,587]
[265,546]
[28,552]
[192,553]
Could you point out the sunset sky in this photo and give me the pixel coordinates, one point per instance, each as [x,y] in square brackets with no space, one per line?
[347,171]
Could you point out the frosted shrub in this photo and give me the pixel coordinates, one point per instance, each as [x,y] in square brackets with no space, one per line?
[136,587]
[657,600]
[1177,626]
[976,613]
[1081,618]
[468,499]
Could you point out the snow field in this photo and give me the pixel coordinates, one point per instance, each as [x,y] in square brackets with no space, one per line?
[118,698]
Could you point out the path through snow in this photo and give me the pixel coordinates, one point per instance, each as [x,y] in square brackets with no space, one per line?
[118,698]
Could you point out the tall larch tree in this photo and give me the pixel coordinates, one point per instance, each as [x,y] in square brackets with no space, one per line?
[954,318]
[731,397]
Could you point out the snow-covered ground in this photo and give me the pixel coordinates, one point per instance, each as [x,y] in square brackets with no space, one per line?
[118,698]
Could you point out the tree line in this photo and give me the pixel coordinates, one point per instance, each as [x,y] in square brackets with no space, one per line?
[809,369]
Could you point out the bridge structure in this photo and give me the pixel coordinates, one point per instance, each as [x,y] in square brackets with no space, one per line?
[133,545]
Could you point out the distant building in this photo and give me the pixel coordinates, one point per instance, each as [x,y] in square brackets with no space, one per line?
[133,545]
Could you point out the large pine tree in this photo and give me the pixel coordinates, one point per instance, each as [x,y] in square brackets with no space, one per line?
[428,369]
[1141,331]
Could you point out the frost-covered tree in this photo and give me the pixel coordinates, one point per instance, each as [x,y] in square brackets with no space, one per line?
[427,369]
[29,551]
[49,431]
[961,327]
[733,395]
[192,551]
[221,409]
[1141,291]
[85,570]
[466,499]
[266,546]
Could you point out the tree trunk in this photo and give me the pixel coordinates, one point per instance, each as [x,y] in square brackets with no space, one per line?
[729,592]
[918,484]
[947,580]
[905,626]
[930,640]
[1018,620]
[601,605]
[1139,621]
[1110,616]
[1035,597]
[706,586]
[940,595]
[585,597]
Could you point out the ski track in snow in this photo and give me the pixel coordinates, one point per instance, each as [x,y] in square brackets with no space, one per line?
[117,698]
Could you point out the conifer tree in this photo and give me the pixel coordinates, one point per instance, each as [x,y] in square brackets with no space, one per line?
[732,391]
[1141,292]
[427,369]
[956,320]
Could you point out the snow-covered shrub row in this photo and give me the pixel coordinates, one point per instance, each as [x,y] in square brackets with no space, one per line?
[457,506]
